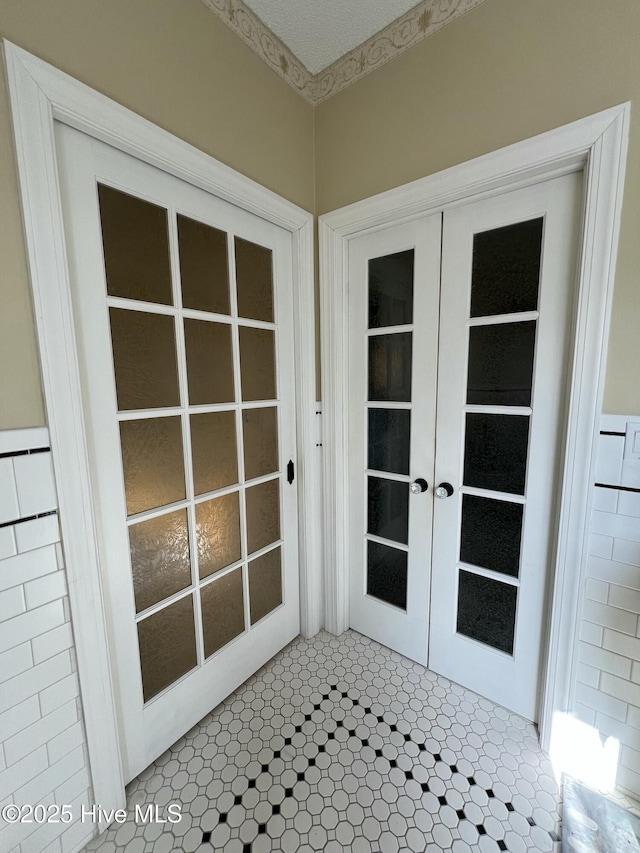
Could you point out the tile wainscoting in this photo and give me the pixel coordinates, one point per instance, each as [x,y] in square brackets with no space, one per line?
[43,756]
[608,688]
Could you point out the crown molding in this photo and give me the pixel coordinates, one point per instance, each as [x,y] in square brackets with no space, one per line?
[410,29]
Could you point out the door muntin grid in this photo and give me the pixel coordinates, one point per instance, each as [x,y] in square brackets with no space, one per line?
[245,597]
[389,345]
[501,333]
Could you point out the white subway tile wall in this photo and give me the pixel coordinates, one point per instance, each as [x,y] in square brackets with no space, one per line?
[608,673]
[43,758]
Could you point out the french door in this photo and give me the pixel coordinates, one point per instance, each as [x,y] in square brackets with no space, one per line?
[184,319]
[460,328]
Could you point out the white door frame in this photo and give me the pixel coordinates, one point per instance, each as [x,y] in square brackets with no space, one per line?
[41,94]
[598,146]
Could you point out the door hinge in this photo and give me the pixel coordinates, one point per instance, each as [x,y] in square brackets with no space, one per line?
[290,472]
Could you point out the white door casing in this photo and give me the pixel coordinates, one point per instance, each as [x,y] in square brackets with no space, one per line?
[40,95]
[597,144]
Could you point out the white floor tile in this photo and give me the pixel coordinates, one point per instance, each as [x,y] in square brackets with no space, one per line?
[321,752]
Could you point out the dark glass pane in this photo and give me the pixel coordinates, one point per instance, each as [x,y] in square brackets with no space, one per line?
[136,247]
[222,603]
[204,269]
[265,584]
[388,509]
[152,462]
[209,362]
[389,440]
[387,574]
[391,290]
[506,269]
[254,278]
[257,364]
[495,452]
[501,364]
[144,359]
[491,534]
[390,367]
[167,642]
[160,560]
[487,611]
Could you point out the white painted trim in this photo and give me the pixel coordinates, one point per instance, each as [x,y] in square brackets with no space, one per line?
[39,95]
[597,144]
[29,438]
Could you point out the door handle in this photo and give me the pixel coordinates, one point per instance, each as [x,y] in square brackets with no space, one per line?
[444,490]
[418,486]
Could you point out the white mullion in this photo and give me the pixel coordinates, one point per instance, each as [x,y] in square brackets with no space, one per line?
[186,431]
[498,496]
[207,316]
[237,379]
[489,573]
[497,410]
[260,404]
[156,512]
[226,570]
[386,475]
[370,537]
[265,550]
[256,324]
[139,305]
[217,493]
[163,603]
[142,414]
[384,404]
[390,330]
[498,319]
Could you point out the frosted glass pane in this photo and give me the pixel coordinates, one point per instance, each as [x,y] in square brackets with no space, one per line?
[263,515]
[218,533]
[257,364]
[506,269]
[254,276]
[153,463]
[260,427]
[159,558]
[167,643]
[265,584]
[204,266]
[213,450]
[136,247]
[209,362]
[144,359]
[390,367]
[391,290]
[222,603]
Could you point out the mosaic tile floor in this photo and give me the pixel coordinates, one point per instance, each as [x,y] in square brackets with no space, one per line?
[340,744]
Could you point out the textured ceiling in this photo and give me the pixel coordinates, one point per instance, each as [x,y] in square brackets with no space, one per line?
[320,31]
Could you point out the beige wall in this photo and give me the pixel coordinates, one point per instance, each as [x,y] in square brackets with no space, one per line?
[507,71]
[177,64]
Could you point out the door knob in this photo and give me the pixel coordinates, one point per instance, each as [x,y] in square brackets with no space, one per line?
[419,486]
[444,490]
